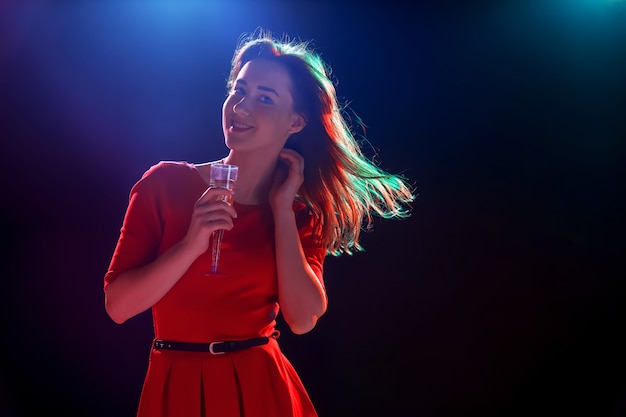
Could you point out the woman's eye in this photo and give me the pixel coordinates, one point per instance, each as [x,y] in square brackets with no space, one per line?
[266,99]
[238,90]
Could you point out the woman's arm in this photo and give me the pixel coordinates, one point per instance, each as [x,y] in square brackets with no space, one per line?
[301,294]
[136,290]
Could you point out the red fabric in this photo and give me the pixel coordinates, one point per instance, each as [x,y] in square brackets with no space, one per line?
[242,304]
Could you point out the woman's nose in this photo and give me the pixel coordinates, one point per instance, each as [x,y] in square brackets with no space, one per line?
[242,107]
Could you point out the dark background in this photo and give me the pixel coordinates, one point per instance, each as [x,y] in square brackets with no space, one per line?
[502,295]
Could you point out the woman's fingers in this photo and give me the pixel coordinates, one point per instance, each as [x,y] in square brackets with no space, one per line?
[295,164]
[294,160]
[216,194]
[212,211]
[203,207]
[288,178]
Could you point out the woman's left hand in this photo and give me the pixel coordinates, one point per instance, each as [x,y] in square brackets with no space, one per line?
[288,178]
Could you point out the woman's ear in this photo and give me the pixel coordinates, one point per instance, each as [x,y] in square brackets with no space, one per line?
[298,124]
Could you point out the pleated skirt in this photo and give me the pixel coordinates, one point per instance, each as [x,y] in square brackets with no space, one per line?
[255,382]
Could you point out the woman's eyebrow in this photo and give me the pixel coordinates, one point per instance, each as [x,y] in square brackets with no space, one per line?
[268,89]
[261,87]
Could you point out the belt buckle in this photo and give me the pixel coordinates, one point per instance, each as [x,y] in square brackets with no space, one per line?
[211,351]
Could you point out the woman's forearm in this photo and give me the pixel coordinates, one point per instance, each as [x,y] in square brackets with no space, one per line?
[301,295]
[136,290]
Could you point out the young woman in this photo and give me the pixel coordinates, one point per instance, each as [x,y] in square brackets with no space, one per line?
[304,190]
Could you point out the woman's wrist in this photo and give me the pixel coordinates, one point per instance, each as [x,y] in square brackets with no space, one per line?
[282,213]
[281,208]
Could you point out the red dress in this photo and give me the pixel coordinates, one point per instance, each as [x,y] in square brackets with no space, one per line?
[254,382]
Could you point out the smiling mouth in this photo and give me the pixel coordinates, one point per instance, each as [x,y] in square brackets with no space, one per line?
[239,127]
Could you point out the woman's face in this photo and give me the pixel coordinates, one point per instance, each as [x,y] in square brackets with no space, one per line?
[258,112]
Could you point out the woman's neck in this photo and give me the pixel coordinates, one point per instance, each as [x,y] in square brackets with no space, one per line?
[254,177]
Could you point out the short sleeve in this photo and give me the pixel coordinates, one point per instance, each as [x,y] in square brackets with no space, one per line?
[312,245]
[141,229]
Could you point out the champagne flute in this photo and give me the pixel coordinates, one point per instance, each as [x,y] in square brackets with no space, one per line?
[222,176]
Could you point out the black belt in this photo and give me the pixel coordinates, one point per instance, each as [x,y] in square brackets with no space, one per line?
[215,348]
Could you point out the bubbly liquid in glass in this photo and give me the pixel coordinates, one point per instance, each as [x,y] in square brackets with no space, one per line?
[218,234]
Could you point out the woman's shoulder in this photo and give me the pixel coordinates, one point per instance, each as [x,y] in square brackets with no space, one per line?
[307,223]
[165,174]
[302,207]
[304,215]
[168,168]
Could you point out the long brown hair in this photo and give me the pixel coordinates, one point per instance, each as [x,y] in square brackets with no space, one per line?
[342,187]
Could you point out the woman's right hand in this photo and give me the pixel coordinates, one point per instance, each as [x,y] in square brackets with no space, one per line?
[211,212]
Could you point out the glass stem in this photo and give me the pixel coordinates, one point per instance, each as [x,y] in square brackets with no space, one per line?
[215,251]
